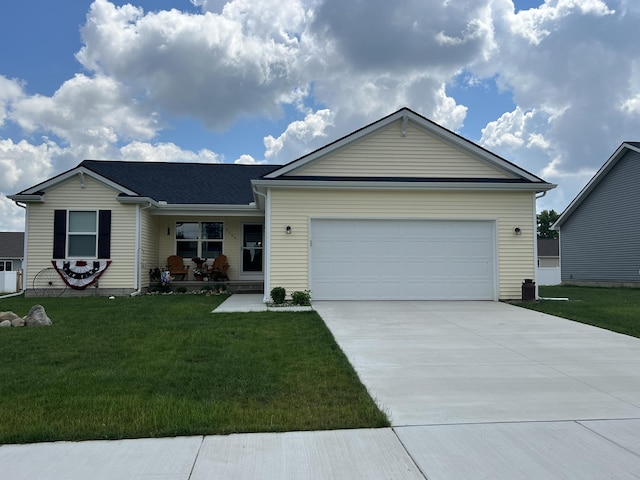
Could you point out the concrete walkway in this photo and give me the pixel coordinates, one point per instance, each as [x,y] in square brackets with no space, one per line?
[474,390]
[251,302]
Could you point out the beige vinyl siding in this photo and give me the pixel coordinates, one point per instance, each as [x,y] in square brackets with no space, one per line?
[388,154]
[296,207]
[231,244]
[70,195]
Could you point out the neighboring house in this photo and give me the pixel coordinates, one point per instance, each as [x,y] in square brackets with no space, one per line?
[400,209]
[548,252]
[548,271]
[11,257]
[600,229]
[11,251]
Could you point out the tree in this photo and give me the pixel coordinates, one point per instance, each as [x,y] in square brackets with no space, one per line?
[546,218]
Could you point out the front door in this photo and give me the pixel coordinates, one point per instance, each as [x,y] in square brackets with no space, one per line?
[252,236]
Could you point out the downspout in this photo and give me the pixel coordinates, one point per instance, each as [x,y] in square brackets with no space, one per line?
[137,282]
[535,239]
[267,240]
[24,259]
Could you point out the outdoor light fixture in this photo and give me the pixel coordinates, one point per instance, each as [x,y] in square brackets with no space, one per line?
[517,231]
[168,230]
[288,229]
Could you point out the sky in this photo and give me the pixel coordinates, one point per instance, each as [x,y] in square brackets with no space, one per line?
[553,85]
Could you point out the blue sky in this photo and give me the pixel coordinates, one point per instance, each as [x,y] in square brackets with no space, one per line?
[552,86]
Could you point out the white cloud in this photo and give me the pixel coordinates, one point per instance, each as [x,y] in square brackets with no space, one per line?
[86,111]
[166,152]
[248,160]
[216,67]
[507,132]
[299,138]
[10,91]
[12,216]
[23,164]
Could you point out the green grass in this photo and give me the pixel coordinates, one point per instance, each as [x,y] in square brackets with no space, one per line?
[616,309]
[158,366]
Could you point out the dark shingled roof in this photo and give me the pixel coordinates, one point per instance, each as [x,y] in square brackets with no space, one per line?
[11,244]
[184,183]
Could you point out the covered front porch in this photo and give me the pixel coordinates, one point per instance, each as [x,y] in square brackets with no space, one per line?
[196,241]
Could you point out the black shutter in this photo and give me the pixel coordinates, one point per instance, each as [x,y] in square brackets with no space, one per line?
[59,233]
[104,234]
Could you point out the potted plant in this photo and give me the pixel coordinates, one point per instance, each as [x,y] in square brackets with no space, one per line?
[199,273]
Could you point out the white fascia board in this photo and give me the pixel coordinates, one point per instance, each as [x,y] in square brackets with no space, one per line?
[186,210]
[78,171]
[369,185]
[595,180]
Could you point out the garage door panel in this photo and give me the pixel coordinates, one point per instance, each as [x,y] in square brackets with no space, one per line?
[403,259]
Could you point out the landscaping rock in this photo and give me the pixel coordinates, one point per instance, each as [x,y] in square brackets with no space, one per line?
[18,322]
[5,323]
[37,317]
[8,316]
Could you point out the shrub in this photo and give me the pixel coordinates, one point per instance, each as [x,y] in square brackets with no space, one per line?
[301,298]
[181,289]
[278,294]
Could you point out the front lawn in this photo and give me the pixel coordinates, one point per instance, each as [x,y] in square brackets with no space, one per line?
[156,366]
[616,309]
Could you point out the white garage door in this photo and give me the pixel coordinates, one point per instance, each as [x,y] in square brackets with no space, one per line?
[402,259]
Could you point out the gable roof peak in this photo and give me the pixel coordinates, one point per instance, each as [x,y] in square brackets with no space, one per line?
[596,179]
[405,115]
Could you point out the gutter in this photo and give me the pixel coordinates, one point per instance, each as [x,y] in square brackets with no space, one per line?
[395,185]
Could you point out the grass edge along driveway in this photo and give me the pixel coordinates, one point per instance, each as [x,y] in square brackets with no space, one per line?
[156,366]
[613,308]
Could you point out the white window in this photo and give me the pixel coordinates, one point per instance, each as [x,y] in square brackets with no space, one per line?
[6,265]
[199,239]
[82,234]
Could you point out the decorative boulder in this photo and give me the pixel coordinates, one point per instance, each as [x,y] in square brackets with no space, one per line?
[37,317]
[5,323]
[8,316]
[17,322]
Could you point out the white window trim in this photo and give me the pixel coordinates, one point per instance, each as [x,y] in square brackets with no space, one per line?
[199,240]
[69,234]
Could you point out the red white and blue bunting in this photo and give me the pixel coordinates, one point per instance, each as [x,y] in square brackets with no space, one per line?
[79,274]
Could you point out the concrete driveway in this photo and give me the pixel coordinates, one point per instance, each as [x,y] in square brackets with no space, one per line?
[489,390]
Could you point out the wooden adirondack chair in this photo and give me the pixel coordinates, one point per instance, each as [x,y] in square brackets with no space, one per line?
[176,266]
[220,267]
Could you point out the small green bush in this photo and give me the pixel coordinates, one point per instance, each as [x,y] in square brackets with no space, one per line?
[181,289]
[278,294]
[301,298]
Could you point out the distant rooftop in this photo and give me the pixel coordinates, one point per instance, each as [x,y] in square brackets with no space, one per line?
[11,245]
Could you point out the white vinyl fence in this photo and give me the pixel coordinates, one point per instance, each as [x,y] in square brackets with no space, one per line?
[548,276]
[8,282]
